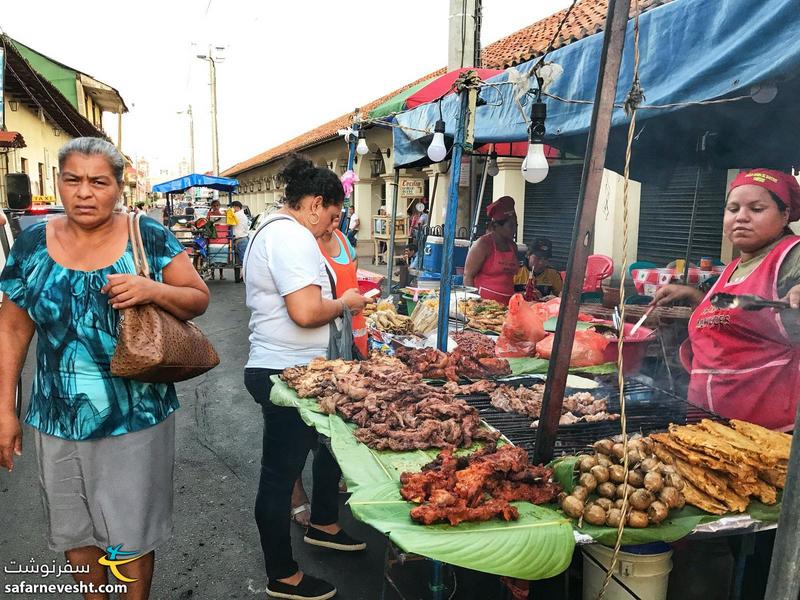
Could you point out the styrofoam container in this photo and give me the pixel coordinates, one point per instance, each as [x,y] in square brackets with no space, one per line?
[646,575]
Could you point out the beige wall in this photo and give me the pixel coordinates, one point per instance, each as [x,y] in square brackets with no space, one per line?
[609,222]
[42,146]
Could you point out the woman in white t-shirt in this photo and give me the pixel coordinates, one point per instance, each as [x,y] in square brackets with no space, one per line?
[288,291]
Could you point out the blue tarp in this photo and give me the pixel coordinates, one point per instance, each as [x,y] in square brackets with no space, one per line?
[223,184]
[690,51]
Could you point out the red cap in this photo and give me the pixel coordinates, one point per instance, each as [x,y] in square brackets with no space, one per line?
[501,209]
[783,185]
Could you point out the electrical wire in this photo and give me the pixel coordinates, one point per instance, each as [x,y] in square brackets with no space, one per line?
[634,96]
[554,38]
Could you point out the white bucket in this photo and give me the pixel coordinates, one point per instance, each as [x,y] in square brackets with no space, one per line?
[644,575]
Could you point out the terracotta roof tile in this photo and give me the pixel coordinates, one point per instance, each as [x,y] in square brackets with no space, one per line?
[587,18]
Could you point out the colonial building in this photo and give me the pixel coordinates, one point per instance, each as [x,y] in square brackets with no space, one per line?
[46,103]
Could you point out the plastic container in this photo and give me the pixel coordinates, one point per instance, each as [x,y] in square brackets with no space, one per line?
[432,254]
[411,304]
[643,570]
[634,349]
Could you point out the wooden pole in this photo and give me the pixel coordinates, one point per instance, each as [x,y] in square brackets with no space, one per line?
[583,231]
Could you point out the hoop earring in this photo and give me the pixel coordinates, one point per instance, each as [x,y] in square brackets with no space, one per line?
[313,222]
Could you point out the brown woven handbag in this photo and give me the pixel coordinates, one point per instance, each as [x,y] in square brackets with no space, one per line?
[153,345]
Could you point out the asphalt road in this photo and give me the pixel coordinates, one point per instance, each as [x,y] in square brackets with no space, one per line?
[215,551]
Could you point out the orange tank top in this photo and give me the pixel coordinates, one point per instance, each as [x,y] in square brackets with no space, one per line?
[347,278]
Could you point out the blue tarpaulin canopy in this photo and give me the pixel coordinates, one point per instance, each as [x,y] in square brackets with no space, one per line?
[690,51]
[175,186]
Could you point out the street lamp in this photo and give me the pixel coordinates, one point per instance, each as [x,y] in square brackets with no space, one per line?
[212,74]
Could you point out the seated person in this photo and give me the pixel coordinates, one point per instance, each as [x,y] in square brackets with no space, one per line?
[523,273]
[544,280]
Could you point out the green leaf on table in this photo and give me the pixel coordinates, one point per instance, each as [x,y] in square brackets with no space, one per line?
[538,366]
[763,512]
[564,472]
[310,412]
[538,545]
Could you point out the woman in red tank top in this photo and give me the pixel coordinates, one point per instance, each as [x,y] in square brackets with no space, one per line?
[746,364]
[492,260]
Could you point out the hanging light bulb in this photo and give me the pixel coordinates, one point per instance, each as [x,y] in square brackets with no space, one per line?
[492,169]
[437,150]
[362,147]
[535,167]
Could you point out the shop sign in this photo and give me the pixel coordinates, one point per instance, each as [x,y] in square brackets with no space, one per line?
[412,188]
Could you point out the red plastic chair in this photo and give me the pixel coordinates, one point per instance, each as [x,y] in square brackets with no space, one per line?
[598,268]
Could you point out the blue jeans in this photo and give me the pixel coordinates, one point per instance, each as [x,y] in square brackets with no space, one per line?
[240,247]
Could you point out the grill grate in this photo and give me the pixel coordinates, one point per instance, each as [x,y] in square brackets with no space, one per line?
[649,409]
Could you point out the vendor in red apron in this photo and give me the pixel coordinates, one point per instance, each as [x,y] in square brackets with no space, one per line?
[492,260]
[746,364]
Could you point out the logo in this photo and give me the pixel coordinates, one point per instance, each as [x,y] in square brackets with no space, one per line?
[762,177]
[115,557]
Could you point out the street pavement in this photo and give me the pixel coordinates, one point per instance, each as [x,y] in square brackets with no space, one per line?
[215,551]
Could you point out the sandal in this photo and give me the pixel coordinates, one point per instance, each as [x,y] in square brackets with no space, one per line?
[295,513]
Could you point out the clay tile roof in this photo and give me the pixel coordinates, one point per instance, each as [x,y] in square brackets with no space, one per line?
[587,18]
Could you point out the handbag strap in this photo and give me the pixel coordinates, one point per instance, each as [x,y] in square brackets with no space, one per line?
[140,264]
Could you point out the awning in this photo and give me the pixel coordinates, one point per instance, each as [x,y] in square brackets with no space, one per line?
[426,91]
[11,139]
[692,51]
[223,184]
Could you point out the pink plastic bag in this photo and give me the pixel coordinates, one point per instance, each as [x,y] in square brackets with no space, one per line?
[587,350]
[522,329]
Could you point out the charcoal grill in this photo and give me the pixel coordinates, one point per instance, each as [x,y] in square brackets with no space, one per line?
[649,409]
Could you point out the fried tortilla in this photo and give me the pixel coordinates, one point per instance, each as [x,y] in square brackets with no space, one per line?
[758,452]
[774,477]
[704,442]
[702,501]
[742,472]
[778,443]
[711,483]
[766,493]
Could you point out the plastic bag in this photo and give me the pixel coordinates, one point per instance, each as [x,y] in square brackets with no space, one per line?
[522,330]
[587,349]
[549,309]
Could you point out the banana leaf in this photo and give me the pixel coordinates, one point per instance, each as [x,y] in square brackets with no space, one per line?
[536,366]
[538,545]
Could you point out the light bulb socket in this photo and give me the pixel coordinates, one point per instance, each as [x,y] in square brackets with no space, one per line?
[439,127]
[538,116]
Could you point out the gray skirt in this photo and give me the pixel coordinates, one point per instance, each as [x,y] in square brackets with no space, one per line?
[110,491]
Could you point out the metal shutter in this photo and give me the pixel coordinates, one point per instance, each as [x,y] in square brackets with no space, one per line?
[550,208]
[666,213]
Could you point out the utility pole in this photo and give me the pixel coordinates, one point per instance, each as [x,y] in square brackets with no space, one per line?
[212,75]
[191,136]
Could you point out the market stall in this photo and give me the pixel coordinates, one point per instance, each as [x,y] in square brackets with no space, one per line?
[723,468]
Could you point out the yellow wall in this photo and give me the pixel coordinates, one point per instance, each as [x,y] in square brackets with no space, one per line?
[42,145]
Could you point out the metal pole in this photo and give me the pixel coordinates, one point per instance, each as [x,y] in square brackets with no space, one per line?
[191,137]
[479,201]
[351,159]
[449,233]
[691,227]
[212,70]
[784,570]
[392,218]
[582,233]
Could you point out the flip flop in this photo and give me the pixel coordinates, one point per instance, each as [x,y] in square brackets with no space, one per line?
[297,510]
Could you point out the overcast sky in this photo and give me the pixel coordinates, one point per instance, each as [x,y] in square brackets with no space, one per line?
[288,67]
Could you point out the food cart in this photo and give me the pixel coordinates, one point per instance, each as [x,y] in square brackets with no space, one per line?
[211,247]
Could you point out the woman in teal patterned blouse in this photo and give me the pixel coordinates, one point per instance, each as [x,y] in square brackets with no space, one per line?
[105,445]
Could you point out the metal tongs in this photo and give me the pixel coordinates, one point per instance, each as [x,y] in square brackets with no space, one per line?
[745,302]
